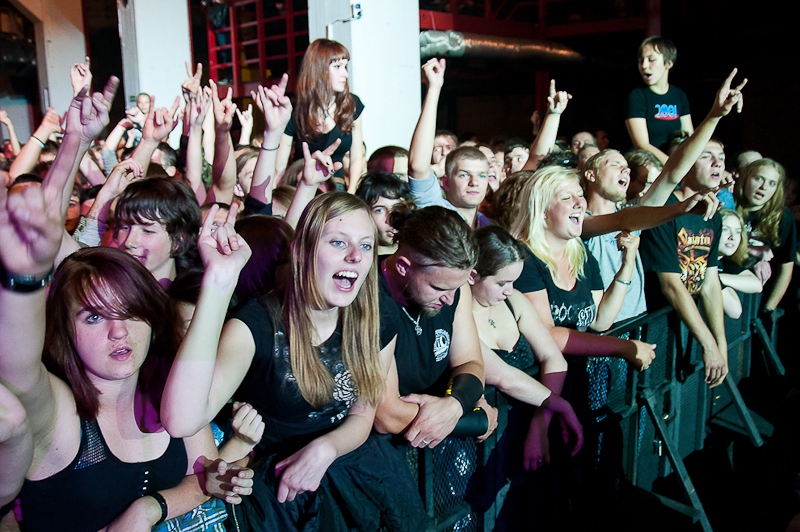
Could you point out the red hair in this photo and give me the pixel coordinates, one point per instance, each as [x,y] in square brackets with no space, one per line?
[314,91]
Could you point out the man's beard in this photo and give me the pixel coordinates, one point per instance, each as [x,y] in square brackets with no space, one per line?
[415,307]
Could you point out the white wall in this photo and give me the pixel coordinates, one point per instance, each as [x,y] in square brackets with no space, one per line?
[384,63]
[59,43]
[155,46]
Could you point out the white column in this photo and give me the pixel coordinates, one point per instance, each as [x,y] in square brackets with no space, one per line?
[155,46]
[60,41]
[384,62]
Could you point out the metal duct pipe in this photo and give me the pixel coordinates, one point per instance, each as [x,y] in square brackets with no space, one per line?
[435,43]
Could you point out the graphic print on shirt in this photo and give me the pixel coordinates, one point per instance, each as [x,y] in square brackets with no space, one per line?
[441,345]
[693,252]
[581,316]
[666,112]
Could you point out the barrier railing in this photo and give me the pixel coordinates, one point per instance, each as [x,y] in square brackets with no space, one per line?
[664,413]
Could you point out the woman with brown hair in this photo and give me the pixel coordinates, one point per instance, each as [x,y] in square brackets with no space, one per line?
[75,365]
[325,111]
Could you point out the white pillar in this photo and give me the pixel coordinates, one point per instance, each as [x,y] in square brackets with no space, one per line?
[155,46]
[384,62]
[60,41]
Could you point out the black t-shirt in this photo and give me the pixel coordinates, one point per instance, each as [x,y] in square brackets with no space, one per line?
[325,139]
[574,308]
[687,245]
[421,359]
[271,387]
[662,111]
[786,250]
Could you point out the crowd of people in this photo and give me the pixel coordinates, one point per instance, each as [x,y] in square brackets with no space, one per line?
[252,334]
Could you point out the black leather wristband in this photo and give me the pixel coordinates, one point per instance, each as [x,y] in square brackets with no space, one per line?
[471,425]
[467,389]
[24,283]
[163,504]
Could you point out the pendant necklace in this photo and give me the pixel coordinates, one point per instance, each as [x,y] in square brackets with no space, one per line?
[417,327]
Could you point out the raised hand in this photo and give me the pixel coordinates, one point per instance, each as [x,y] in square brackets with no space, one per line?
[727,98]
[192,84]
[123,174]
[30,230]
[3,116]
[628,243]
[160,122]
[318,166]
[81,76]
[228,481]
[223,109]
[246,117]
[275,105]
[223,251]
[136,116]
[87,116]
[434,72]
[198,107]
[557,100]
[51,123]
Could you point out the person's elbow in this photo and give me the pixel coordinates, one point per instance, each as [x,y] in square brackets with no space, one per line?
[178,423]
[387,422]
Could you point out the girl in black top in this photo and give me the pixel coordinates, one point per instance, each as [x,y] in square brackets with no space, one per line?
[325,111]
[770,225]
[310,364]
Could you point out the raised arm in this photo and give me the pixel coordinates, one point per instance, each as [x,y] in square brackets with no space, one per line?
[681,161]
[357,162]
[639,218]
[419,159]
[610,302]
[16,446]
[157,127]
[546,139]
[317,167]
[208,368]
[197,109]
[29,153]
[12,134]
[277,109]
[30,236]
[246,121]
[224,168]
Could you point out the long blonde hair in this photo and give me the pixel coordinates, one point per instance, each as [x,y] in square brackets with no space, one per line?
[768,224]
[531,224]
[360,322]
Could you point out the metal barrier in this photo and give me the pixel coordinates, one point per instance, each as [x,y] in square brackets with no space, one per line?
[663,413]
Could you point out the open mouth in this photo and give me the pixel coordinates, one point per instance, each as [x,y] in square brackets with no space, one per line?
[345,280]
[576,218]
[121,354]
[623,182]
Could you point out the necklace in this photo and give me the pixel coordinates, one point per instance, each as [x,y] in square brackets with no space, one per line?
[328,110]
[417,327]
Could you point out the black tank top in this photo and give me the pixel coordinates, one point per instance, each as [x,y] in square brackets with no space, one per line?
[97,486]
